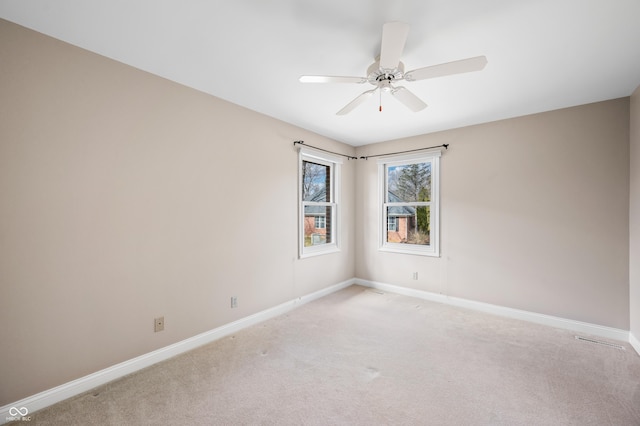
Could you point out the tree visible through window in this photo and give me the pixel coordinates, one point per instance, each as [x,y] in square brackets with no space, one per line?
[409,184]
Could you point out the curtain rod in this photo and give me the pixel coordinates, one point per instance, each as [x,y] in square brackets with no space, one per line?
[444,145]
[350,157]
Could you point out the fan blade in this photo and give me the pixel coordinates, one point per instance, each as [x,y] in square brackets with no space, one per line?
[331,79]
[410,100]
[356,102]
[455,67]
[394,36]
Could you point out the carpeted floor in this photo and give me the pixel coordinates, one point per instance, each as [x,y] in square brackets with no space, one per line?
[363,357]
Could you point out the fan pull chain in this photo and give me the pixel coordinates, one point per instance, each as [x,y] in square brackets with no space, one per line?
[380,101]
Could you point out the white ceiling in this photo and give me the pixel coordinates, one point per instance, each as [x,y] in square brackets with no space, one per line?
[542,54]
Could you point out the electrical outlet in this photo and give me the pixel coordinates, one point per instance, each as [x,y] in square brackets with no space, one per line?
[234,302]
[158,324]
[415,275]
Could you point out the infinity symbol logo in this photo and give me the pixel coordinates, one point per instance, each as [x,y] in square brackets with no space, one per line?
[22,411]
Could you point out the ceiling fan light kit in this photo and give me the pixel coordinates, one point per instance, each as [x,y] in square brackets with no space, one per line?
[388,69]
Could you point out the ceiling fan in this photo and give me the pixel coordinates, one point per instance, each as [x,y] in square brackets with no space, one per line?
[387,69]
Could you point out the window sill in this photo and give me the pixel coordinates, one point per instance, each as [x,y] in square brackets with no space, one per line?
[406,249]
[331,248]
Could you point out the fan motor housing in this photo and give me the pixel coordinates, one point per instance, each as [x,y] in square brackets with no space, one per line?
[384,77]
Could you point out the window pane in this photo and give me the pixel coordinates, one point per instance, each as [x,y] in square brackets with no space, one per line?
[316,182]
[412,225]
[407,183]
[317,225]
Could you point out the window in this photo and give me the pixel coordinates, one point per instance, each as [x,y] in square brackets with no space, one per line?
[318,188]
[410,203]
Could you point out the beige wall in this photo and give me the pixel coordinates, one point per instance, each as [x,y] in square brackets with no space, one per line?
[124,197]
[534,215]
[634,216]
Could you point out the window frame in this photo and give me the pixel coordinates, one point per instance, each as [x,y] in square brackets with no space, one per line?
[334,163]
[433,249]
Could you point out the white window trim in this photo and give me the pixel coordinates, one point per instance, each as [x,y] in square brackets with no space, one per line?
[433,249]
[335,162]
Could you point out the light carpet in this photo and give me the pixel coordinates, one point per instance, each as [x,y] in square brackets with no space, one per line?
[364,357]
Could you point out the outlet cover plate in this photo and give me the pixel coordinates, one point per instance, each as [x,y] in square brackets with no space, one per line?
[158,324]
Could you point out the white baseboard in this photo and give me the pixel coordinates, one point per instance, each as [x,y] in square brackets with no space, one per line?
[633,340]
[86,383]
[567,324]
